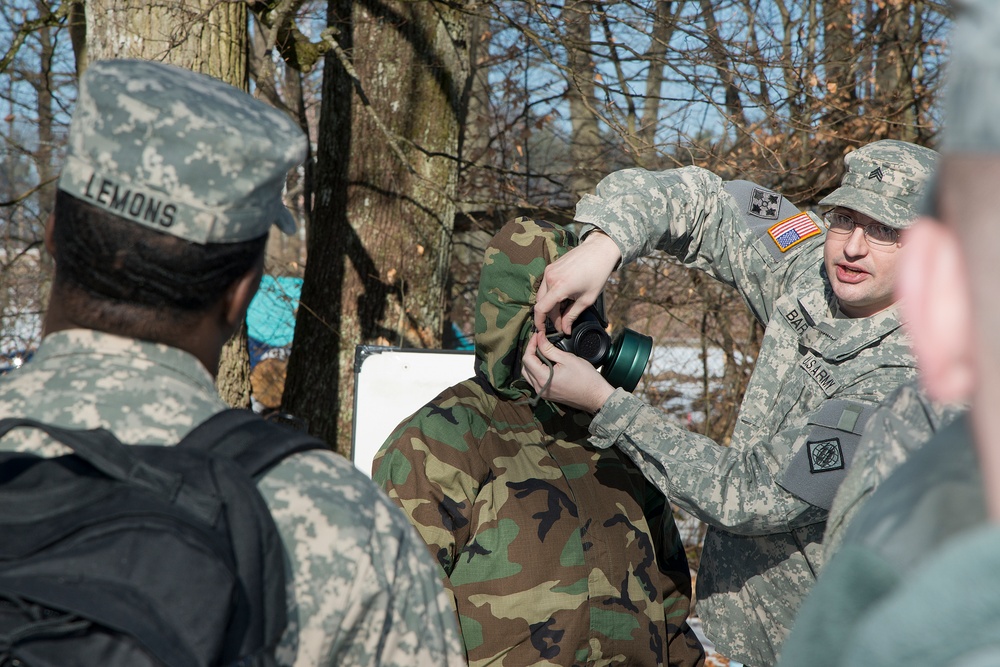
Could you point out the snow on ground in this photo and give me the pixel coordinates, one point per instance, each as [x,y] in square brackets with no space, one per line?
[686,360]
[677,370]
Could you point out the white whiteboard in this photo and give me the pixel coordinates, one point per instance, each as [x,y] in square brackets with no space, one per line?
[390,384]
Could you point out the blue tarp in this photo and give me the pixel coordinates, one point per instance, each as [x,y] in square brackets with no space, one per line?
[461,341]
[271,316]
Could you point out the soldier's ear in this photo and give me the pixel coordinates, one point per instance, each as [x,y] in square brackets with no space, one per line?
[935,298]
[237,298]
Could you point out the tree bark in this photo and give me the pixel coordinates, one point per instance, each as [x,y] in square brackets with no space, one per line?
[719,56]
[839,61]
[893,72]
[586,145]
[384,213]
[659,43]
[202,35]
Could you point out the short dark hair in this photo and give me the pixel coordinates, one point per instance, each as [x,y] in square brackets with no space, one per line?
[116,275]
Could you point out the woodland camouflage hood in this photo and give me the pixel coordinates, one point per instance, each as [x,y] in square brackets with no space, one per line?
[512,270]
[556,553]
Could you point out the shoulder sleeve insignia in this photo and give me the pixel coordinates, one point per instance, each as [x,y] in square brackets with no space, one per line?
[825,455]
[764,204]
[792,231]
[776,223]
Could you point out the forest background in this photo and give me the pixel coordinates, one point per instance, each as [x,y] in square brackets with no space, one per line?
[432,123]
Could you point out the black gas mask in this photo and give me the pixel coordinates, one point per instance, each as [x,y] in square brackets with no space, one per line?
[621,358]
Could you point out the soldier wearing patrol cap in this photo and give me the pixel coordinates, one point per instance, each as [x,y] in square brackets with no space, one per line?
[171,183]
[832,350]
[915,580]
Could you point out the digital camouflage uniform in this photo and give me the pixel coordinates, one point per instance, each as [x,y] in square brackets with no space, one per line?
[818,377]
[361,590]
[946,615]
[932,498]
[556,553]
[915,579]
[901,425]
[191,156]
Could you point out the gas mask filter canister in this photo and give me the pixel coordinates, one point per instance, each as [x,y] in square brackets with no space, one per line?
[622,358]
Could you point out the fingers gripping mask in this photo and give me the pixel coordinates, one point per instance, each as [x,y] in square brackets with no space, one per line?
[621,358]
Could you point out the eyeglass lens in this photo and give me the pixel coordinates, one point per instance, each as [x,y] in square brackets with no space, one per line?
[878,233]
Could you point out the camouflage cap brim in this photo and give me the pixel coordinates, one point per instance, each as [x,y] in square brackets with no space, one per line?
[929,203]
[892,213]
[973,85]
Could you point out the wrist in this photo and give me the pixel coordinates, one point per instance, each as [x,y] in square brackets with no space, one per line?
[599,397]
[607,246]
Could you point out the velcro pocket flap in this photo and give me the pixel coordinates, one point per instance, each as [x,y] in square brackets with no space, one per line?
[823,456]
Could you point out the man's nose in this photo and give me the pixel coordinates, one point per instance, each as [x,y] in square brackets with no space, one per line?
[857,243]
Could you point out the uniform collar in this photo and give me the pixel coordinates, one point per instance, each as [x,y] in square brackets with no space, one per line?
[137,353]
[836,337]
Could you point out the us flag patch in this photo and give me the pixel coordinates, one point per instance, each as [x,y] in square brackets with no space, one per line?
[793,230]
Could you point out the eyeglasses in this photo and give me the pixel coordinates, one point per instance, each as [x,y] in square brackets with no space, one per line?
[875,232]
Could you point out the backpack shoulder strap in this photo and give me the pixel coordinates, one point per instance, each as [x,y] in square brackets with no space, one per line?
[254,443]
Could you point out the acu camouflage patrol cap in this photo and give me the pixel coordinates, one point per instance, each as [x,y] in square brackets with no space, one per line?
[885,180]
[180,152]
[972,92]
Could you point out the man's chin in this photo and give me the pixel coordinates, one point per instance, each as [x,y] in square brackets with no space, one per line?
[860,305]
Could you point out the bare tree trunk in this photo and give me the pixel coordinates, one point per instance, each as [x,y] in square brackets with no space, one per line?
[586,144]
[720,58]
[47,171]
[202,35]
[839,57]
[893,71]
[663,29]
[386,178]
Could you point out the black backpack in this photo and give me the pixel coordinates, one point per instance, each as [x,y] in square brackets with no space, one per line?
[143,555]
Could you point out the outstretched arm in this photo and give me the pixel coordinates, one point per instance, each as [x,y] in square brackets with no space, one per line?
[738,488]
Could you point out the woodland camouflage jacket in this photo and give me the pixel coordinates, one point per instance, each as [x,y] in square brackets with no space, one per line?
[555,552]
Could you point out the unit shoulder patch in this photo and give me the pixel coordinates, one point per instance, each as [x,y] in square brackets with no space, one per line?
[824,452]
[764,212]
[764,204]
[825,455]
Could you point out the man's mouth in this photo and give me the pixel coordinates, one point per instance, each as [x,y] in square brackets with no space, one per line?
[850,274]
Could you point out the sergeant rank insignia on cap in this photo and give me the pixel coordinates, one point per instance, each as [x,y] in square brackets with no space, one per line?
[793,230]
